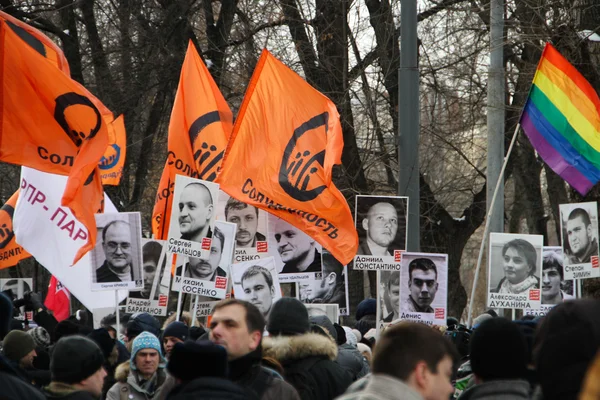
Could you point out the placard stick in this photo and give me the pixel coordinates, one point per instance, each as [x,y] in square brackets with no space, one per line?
[180,291]
[117,313]
[158,272]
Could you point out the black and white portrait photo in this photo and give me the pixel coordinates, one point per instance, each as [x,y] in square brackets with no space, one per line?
[381,224]
[555,288]
[295,252]
[328,287]
[388,293]
[153,251]
[208,276]
[424,287]
[192,216]
[579,229]
[514,270]
[117,256]
[251,235]
[257,282]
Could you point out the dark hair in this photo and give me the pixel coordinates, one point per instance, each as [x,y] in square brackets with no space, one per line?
[394,279]
[202,186]
[580,212]
[111,223]
[424,264]
[219,235]
[237,205]
[551,260]
[332,265]
[254,318]
[151,252]
[255,270]
[403,345]
[525,248]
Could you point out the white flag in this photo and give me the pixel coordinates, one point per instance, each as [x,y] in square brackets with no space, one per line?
[51,234]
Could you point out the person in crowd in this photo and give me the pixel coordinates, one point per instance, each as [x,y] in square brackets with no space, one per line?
[410,362]
[422,284]
[203,380]
[143,376]
[565,345]
[77,370]
[175,332]
[19,348]
[519,268]
[298,251]
[498,361]
[110,352]
[246,218]
[257,283]
[42,340]
[366,314]
[141,322]
[552,277]
[308,359]
[118,251]
[381,225]
[582,243]
[238,326]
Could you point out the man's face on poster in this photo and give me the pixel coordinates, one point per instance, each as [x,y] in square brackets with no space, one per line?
[394,294]
[206,268]
[117,245]
[550,283]
[246,220]
[579,235]
[258,292]
[423,286]
[292,243]
[149,273]
[195,210]
[381,224]
[313,289]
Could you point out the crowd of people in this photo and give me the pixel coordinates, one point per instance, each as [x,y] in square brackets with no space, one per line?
[298,355]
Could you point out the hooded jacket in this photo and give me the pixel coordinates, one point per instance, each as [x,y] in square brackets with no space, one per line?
[498,390]
[308,362]
[127,381]
[380,387]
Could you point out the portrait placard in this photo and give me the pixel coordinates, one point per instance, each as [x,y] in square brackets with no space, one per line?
[192,218]
[117,255]
[208,277]
[327,287]
[257,282]
[514,268]
[579,235]
[332,311]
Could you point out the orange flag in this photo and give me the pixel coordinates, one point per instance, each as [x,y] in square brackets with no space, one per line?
[111,164]
[284,145]
[49,122]
[10,252]
[200,126]
[38,41]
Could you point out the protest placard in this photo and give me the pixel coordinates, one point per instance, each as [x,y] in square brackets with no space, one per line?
[257,282]
[579,234]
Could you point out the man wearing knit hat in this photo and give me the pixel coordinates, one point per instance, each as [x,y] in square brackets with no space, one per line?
[19,349]
[308,359]
[175,332]
[143,375]
[77,370]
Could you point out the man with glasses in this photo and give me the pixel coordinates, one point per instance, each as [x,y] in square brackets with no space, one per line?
[116,243]
[422,283]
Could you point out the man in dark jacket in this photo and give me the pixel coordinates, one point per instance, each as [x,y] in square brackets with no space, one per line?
[499,362]
[200,371]
[77,370]
[238,326]
[308,359]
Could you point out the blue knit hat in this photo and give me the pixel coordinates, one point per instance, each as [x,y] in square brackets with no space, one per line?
[146,340]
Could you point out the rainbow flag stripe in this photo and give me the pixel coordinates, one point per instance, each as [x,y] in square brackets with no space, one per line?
[562,120]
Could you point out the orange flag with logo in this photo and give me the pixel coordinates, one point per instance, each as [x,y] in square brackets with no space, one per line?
[10,252]
[112,162]
[48,122]
[285,142]
[199,129]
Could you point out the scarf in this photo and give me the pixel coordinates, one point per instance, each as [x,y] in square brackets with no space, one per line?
[517,288]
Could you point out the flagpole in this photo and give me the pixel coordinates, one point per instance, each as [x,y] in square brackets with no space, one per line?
[487,223]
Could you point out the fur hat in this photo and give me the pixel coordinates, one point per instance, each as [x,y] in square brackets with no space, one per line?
[17,344]
[75,358]
[191,360]
[288,317]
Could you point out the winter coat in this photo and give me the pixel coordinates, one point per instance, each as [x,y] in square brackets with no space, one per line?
[247,372]
[211,388]
[498,390]
[63,391]
[308,364]
[352,361]
[12,386]
[380,387]
[127,386]
[590,390]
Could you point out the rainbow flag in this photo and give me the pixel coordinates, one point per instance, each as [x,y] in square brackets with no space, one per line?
[562,120]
